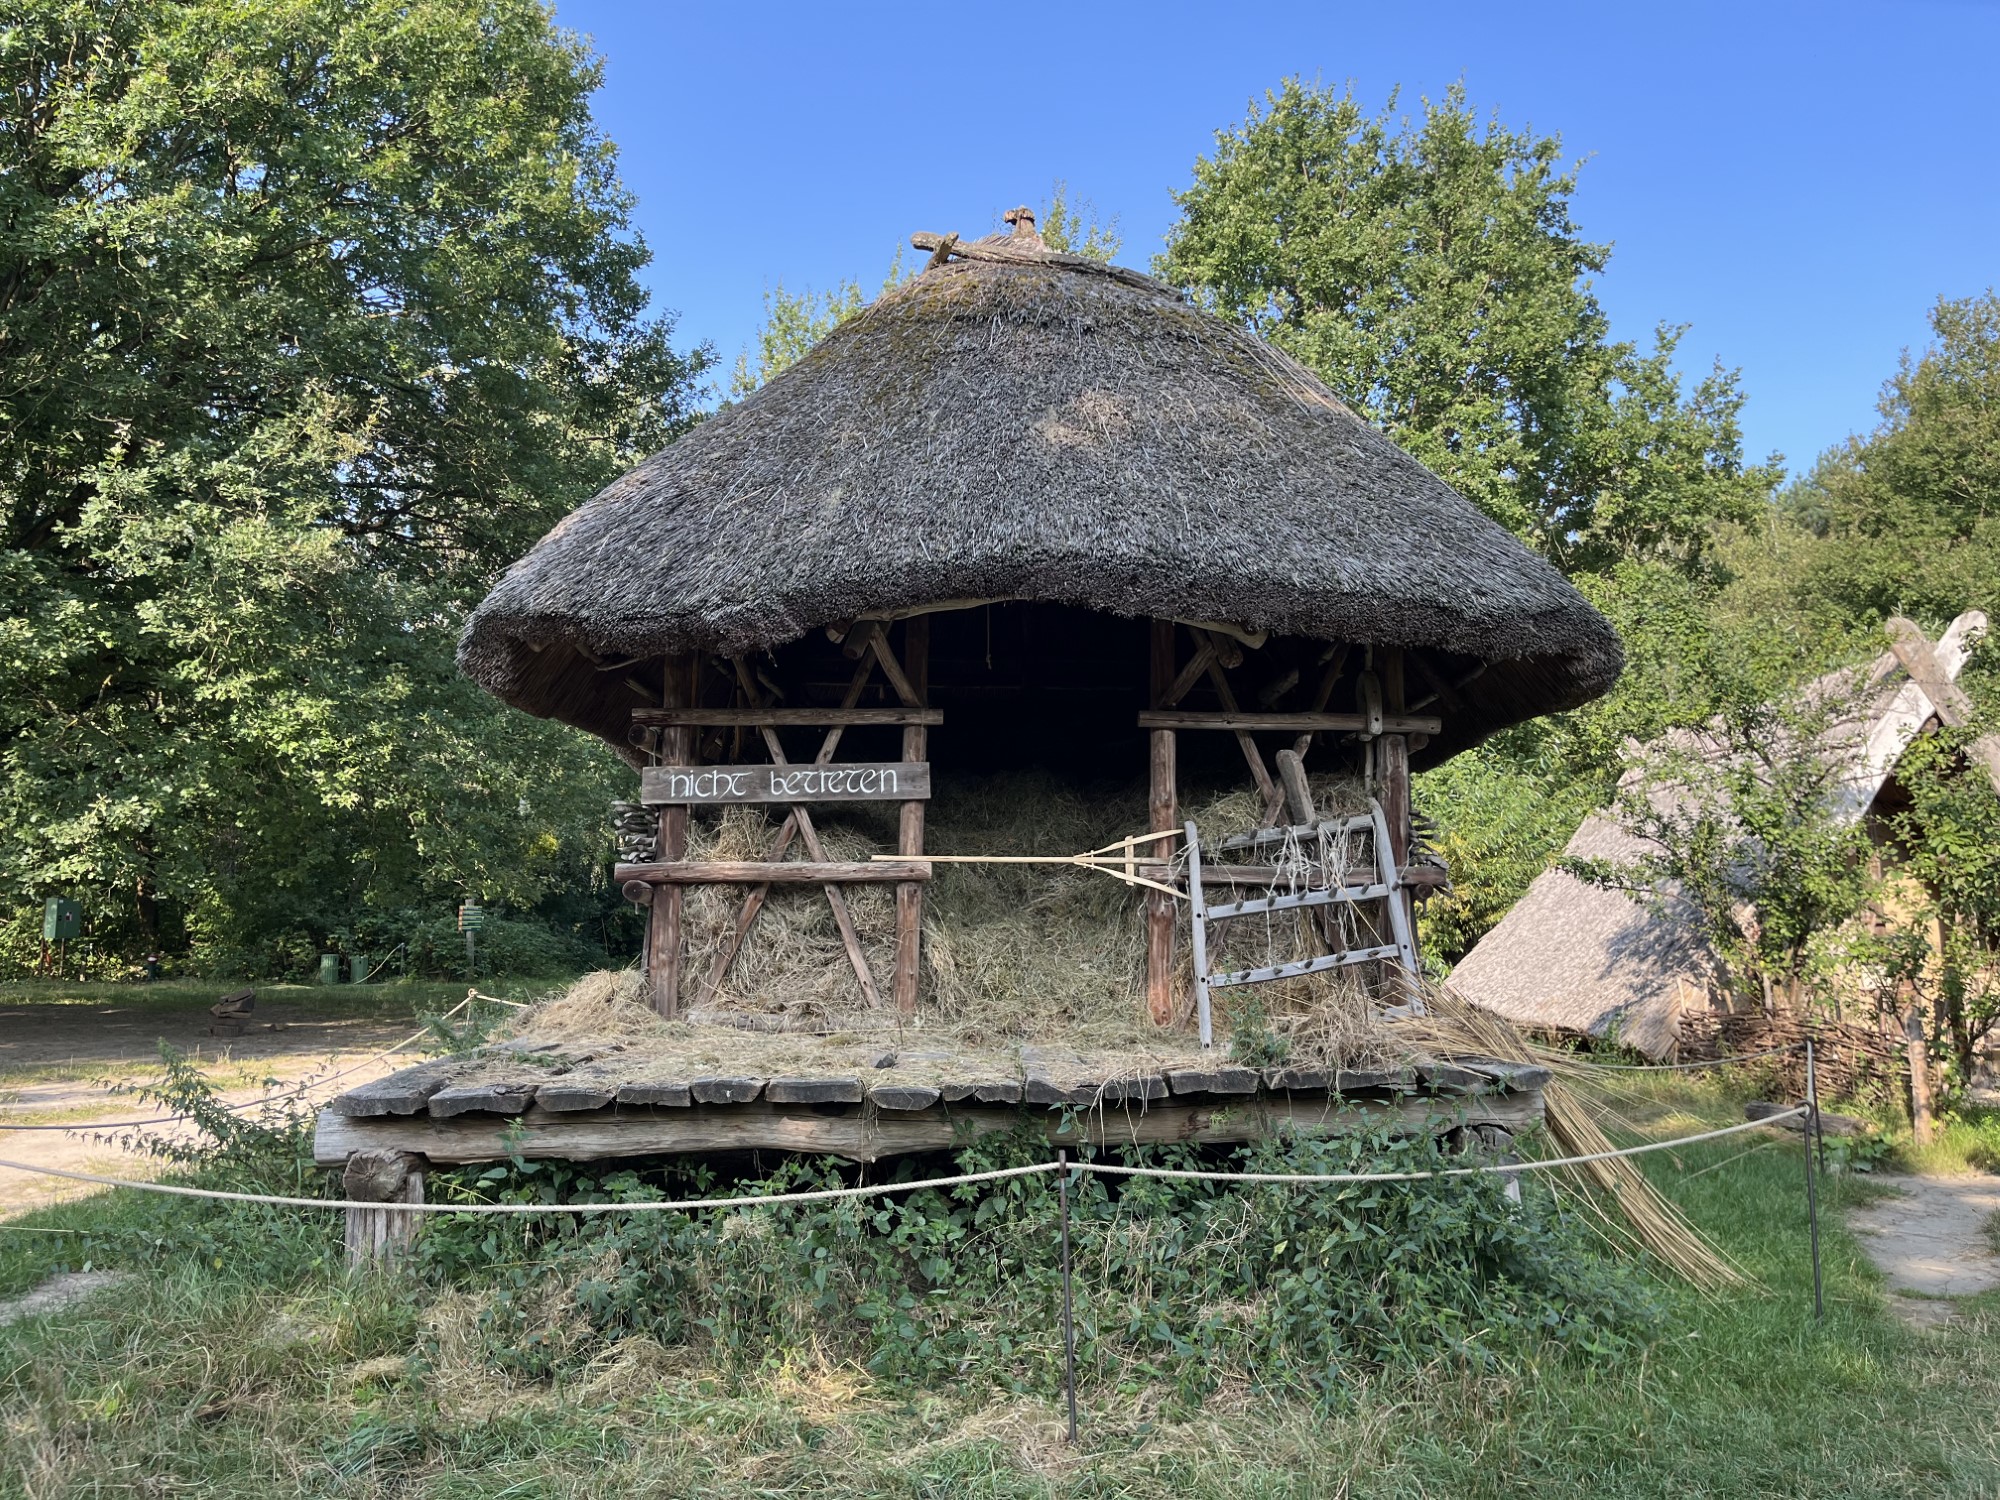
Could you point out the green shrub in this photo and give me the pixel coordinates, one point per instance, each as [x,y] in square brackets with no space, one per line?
[1178,1282]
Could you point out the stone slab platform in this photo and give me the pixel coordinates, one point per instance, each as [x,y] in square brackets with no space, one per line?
[597,1100]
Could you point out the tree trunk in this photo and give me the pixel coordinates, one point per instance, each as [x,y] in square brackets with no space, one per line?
[1922,1122]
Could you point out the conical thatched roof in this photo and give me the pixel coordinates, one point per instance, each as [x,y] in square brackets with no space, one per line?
[1015,423]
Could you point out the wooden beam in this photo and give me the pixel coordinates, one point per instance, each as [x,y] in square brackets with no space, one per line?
[672,873]
[1913,649]
[910,826]
[1181,718]
[1198,664]
[1162,813]
[628,1130]
[782,718]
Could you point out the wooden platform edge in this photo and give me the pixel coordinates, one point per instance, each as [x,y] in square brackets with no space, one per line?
[863,1135]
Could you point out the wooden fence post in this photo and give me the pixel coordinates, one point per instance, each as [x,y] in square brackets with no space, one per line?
[385,1177]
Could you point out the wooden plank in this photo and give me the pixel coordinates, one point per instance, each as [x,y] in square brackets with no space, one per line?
[1528,1077]
[1183,718]
[1162,814]
[725,1090]
[910,827]
[508,1098]
[858,1136]
[570,1093]
[735,786]
[657,1095]
[1913,649]
[1350,1080]
[904,1095]
[844,1090]
[1217,1080]
[785,718]
[757,872]
[405,1092]
[983,1091]
[1133,1088]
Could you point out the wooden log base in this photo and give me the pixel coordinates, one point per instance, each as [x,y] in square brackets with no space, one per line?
[859,1135]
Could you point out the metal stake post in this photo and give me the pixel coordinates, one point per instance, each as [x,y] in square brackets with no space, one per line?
[1812,1177]
[1069,1323]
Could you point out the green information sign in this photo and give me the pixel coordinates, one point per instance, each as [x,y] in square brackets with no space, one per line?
[471,918]
[61,920]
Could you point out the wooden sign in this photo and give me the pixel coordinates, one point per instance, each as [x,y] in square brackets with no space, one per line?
[850,781]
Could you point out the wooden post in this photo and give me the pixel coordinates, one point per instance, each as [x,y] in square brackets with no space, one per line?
[1162,813]
[1393,751]
[385,1177]
[910,833]
[663,918]
[1923,1122]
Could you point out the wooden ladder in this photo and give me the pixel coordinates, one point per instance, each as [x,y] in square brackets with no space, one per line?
[1385,886]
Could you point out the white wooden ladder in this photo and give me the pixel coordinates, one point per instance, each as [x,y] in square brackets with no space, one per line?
[1385,885]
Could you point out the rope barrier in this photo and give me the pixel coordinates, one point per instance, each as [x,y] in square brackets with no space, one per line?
[878,1189]
[1707,1062]
[1106,1169]
[681,1204]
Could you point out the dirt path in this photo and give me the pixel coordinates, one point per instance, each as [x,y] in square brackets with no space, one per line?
[58,1061]
[1930,1240]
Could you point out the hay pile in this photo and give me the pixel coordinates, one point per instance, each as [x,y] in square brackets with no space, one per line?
[1010,952]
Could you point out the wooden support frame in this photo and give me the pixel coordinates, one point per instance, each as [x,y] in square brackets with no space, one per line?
[914,684]
[660,884]
[664,939]
[753,901]
[1404,723]
[850,939]
[1162,809]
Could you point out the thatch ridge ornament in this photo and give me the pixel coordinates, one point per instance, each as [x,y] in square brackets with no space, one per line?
[1016,423]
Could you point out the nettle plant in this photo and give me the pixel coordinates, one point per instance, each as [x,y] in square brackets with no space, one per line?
[1178,1283]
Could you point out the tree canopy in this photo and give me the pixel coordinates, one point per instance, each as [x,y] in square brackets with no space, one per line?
[1430,272]
[311,318]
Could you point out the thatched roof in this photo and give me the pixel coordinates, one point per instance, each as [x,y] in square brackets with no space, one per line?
[1015,423]
[1571,956]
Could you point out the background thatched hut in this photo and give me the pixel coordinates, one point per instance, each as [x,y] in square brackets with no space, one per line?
[1572,957]
[1070,516]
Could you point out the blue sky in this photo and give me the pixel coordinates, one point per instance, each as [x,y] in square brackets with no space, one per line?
[1798,182]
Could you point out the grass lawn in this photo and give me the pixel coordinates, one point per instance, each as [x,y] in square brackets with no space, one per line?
[252,1365]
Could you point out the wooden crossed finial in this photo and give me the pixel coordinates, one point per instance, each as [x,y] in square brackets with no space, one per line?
[1023,220]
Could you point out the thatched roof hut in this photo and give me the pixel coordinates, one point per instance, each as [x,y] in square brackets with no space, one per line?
[1024,484]
[1018,424]
[1578,958]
